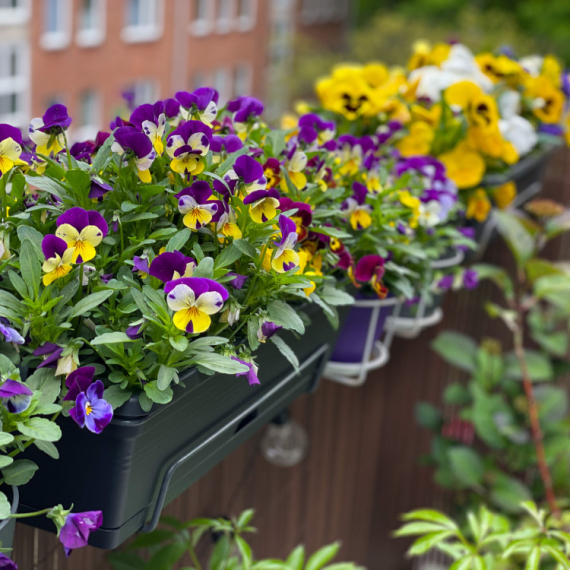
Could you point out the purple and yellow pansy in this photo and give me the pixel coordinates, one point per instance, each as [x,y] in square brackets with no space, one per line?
[58,256]
[285,257]
[83,231]
[187,146]
[198,205]
[132,144]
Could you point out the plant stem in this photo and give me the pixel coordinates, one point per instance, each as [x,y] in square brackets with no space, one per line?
[67,150]
[533,416]
[195,560]
[28,515]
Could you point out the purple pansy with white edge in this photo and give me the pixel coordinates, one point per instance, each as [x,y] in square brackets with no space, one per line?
[226,145]
[50,127]
[91,410]
[10,333]
[197,205]
[251,373]
[151,119]
[226,190]
[171,265]
[129,141]
[193,300]
[285,257]
[370,269]
[356,207]
[201,104]
[83,231]
[140,266]
[250,173]
[16,396]
[77,528]
[187,146]
[312,128]
[245,109]
[172,111]
[263,205]
[267,330]
[78,381]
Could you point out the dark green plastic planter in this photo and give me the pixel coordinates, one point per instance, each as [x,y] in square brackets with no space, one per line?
[142,461]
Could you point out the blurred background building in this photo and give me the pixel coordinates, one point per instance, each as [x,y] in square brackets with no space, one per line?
[98,56]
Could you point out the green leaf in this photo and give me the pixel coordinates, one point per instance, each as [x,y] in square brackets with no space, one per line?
[46,184]
[205,268]
[89,303]
[48,448]
[456,394]
[245,518]
[516,236]
[43,380]
[430,515]
[40,428]
[18,283]
[283,314]
[111,338]
[102,155]
[533,561]
[285,350]
[297,558]
[336,297]
[549,284]
[158,396]
[508,493]
[79,180]
[30,267]
[177,242]
[116,396]
[466,465]
[228,256]
[179,343]
[4,507]
[322,556]
[418,527]
[125,561]
[20,472]
[6,438]
[219,363]
[245,247]
[33,235]
[427,542]
[428,416]
[165,376]
[457,349]
[245,551]
[5,461]
[558,556]
[276,140]
[539,366]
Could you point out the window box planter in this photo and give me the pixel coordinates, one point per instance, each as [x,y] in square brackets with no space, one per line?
[142,461]
[8,526]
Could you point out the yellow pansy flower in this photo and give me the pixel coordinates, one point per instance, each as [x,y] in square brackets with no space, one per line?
[464,166]
[505,194]
[478,206]
[418,141]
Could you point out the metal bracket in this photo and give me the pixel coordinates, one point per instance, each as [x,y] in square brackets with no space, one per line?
[376,353]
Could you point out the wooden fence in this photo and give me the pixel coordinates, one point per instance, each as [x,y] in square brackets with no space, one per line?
[362,470]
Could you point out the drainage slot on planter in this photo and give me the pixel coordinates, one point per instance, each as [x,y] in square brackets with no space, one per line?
[247,420]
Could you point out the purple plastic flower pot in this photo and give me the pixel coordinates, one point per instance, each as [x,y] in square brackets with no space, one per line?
[353,333]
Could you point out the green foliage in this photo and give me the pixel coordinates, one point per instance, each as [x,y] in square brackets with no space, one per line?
[166,546]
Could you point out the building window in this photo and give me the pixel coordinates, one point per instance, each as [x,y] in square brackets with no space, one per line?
[202,17]
[224,16]
[242,79]
[14,12]
[144,91]
[57,20]
[89,116]
[222,84]
[13,84]
[91,23]
[143,20]
[246,14]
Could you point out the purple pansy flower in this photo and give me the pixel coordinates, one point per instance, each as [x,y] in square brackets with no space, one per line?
[77,527]
[238,280]
[263,205]
[312,127]
[285,257]
[10,132]
[370,269]
[6,563]
[227,144]
[91,410]
[250,172]
[151,119]
[201,104]
[172,110]
[10,334]
[134,332]
[83,231]
[356,207]
[187,145]
[470,279]
[445,283]
[129,97]
[98,189]
[51,351]
[231,179]
[267,330]
[58,258]
[48,128]
[251,373]
[245,108]
[78,381]
[302,217]
[129,141]
[82,151]
[119,122]
[193,300]
[197,205]
[16,396]
[172,265]
[141,266]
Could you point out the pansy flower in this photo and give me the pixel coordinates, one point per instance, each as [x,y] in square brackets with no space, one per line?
[250,374]
[250,173]
[295,165]
[350,154]
[312,128]
[302,217]
[130,142]
[263,205]
[82,151]
[227,226]
[98,189]
[134,332]
[75,531]
[172,111]
[187,145]
[151,119]
[197,205]
[10,148]
[58,258]
[370,269]
[266,330]
[272,172]
[285,257]
[171,265]
[238,280]
[78,381]
[7,563]
[91,410]
[82,231]
[224,145]
[140,266]
[244,109]
[10,334]
[47,132]
[356,207]
[478,205]
[15,396]
[193,300]
[201,104]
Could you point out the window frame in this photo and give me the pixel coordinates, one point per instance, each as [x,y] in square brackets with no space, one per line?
[141,33]
[89,130]
[15,16]
[18,84]
[225,24]
[94,36]
[60,39]
[247,23]
[203,26]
